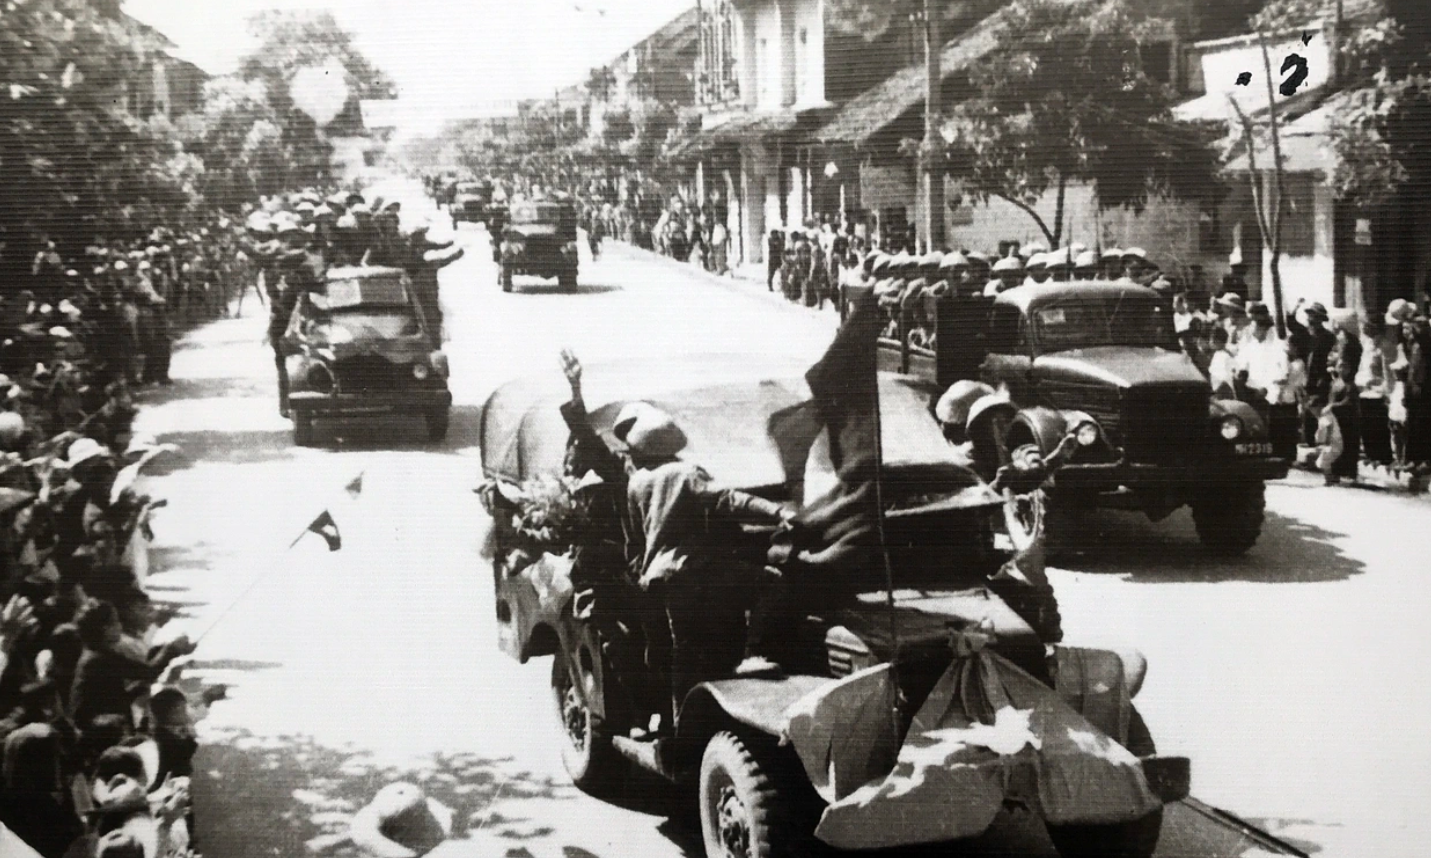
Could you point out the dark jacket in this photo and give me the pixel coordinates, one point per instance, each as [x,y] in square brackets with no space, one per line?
[105,679]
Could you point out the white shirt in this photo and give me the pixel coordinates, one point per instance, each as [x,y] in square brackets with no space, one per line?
[1265,362]
[1220,369]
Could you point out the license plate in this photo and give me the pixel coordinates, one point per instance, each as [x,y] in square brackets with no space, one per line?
[1255,448]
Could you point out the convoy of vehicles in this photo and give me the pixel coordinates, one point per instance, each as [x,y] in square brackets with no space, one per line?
[363,347]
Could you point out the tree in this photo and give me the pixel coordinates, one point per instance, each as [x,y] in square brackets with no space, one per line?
[1063,98]
[600,82]
[74,160]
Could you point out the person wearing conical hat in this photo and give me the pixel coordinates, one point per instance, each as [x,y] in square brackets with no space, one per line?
[1008,273]
[1036,269]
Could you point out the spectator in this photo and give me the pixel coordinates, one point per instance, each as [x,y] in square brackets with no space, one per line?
[35,805]
[106,676]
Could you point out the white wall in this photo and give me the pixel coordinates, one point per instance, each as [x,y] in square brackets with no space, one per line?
[1222,62]
[810,72]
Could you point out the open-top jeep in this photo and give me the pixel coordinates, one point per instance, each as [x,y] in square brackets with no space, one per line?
[733,745]
[539,239]
[1101,358]
[363,347]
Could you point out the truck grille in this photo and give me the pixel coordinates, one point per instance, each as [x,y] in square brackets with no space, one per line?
[1100,402]
[369,373]
[1164,420]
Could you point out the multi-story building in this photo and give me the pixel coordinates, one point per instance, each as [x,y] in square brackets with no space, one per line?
[659,69]
[770,71]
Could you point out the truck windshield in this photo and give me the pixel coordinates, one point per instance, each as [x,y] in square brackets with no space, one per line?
[362,292]
[1119,319]
[536,213]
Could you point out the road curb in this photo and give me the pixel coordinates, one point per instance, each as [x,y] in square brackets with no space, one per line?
[734,284]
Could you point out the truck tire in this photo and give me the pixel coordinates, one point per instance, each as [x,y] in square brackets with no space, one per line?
[1024,517]
[506,279]
[587,754]
[750,804]
[302,428]
[567,281]
[1229,520]
[437,420]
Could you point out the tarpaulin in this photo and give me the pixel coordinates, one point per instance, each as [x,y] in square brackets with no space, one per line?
[988,733]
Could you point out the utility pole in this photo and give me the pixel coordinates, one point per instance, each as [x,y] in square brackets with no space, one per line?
[931,174]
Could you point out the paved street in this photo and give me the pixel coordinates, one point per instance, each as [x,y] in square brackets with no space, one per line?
[1291,677]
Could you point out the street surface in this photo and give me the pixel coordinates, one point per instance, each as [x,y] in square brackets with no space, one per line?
[1292,677]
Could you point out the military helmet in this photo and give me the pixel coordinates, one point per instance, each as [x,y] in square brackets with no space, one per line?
[953,259]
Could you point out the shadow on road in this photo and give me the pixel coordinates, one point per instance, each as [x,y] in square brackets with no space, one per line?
[535,289]
[291,795]
[210,446]
[1290,551]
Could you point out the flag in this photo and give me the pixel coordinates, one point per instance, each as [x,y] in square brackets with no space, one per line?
[355,487]
[326,527]
[837,527]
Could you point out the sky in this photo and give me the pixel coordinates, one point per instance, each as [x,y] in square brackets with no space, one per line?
[447,56]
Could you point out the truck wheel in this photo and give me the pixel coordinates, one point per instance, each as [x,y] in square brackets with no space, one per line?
[567,282]
[1230,520]
[747,808]
[302,428]
[1135,839]
[506,278]
[588,756]
[437,424]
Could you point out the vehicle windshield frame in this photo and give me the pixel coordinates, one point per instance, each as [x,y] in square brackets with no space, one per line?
[325,303]
[1106,311]
[541,214]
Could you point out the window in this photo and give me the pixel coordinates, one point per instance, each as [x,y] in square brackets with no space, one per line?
[802,58]
[718,80]
[1003,333]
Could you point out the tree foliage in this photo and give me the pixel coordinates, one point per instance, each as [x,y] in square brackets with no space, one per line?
[73,159]
[1064,98]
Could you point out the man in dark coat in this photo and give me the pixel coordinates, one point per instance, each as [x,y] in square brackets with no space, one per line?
[1313,344]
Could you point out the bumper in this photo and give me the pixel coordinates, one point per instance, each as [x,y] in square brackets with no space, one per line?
[334,405]
[1180,475]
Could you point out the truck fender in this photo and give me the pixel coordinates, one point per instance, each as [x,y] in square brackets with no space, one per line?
[1251,421]
[1044,425]
[758,704]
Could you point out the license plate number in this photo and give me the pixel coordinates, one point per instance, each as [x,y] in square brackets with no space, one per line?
[1255,448]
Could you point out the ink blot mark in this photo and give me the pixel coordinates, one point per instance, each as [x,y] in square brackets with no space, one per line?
[1244,79]
[1298,66]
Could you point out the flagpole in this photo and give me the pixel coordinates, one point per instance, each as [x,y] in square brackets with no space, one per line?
[884,557]
[349,488]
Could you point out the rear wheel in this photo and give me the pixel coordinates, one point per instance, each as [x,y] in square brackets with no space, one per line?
[437,420]
[567,281]
[588,756]
[1135,839]
[302,428]
[506,279]
[1229,520]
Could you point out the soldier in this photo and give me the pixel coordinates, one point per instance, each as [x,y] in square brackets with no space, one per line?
[1008,273]
[953,268]
[1036,269]
[1060,265]
[1086,266]
[979,273]
[1137,268]
[300,271]
[1112,262]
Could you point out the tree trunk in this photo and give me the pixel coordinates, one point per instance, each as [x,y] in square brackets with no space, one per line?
[1057,238]
[930,170]
[1278,204]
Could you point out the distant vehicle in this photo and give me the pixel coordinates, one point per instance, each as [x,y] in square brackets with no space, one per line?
[539,239]
[1101,357]
[362,348]
[471,202]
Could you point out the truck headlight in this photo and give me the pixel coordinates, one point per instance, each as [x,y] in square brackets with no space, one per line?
[421,371]
[1230,427]
[1087,434]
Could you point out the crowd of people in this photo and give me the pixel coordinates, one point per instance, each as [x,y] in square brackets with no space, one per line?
[97,742]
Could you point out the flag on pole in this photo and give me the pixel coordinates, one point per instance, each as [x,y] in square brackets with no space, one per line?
[838,526]
[355,488]
[326,527]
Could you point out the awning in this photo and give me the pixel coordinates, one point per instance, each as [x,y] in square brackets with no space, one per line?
[1306,143]
[739,128]
[868,113]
